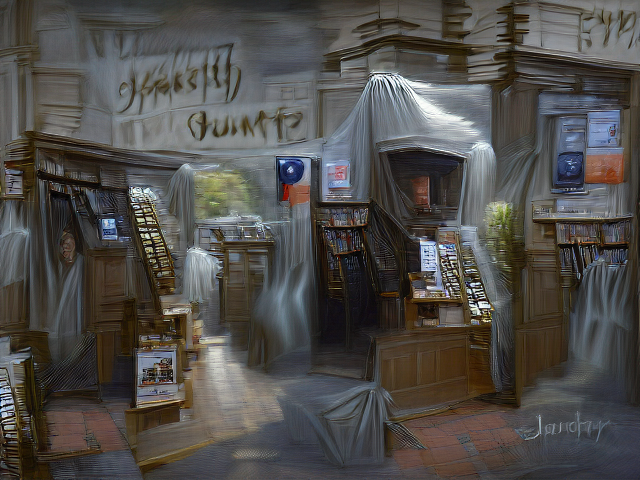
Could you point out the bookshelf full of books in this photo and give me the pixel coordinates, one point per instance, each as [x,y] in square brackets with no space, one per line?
[580,243]
[341,234]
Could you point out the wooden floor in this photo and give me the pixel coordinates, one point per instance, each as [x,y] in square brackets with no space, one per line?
[229,401]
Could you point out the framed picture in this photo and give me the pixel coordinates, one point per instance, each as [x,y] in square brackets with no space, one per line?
[108,229]
[338,175]
[604,129]
[156,378]
[605,165]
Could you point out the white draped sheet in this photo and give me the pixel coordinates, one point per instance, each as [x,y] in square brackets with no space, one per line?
[602,320]
[200,270]
[393,108]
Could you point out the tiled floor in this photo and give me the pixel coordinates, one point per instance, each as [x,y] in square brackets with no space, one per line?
[237,409]
[469,440]
[87,437]
[77,425]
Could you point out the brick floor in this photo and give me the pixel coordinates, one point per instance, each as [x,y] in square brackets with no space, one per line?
[463,443]
[408,459]
[69,430]
[449,453]
[456,469]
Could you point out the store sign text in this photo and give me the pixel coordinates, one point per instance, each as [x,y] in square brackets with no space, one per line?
[614,25]
[208,77]
[288,125]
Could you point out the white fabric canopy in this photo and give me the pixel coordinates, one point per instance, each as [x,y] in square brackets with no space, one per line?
[391,108]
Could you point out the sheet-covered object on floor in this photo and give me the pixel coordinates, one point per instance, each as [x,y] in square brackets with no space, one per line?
[350,429]
[602,320]
[200,270]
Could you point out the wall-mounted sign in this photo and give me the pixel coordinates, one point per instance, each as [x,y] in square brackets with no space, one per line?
[428,256]
[604,165]
[338,174]
[14,182]
[108,229]
[604,129]
[193,100]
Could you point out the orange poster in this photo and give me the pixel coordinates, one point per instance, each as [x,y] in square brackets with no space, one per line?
[604,165]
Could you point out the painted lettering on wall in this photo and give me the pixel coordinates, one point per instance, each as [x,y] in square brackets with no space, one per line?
[185,78]
[612,27]
[285,121]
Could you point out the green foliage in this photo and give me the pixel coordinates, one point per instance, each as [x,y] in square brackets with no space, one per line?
[220,193]
[503,237]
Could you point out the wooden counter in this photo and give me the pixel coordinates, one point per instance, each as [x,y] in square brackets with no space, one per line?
[434,365]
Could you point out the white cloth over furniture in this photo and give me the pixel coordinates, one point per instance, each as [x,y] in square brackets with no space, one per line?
[350,430]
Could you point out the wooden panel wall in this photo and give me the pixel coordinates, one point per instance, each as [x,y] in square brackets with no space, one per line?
[13,306]
[537,348]
[421,370]
[542,337]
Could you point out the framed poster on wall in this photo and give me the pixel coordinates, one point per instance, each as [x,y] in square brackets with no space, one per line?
[338,174]
[604,165]
[604,129]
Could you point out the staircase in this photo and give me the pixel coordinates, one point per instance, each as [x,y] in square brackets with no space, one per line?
[151,244]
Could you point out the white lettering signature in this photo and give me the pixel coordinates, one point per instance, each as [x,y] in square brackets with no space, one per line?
[576,427]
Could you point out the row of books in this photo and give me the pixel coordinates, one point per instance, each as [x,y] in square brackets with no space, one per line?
[577,232]
[616,232]
[576,259]
[343,241]
[154,246]
[347,216]
[592,232]
[449,269]
[479,306]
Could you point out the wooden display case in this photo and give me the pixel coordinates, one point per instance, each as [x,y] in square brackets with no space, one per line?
[247,264]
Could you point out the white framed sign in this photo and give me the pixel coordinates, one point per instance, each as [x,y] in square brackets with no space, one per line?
[156,378]
[604,129]
[338,174]
[14,182]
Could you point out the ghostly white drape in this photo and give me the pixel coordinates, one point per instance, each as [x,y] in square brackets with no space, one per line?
[181,200]
[200,270]
[602,320]
[284,308]
[350,427]
[56,284]
[14,243]
[391,108]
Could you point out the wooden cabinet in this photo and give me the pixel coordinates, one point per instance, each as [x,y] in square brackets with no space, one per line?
[246,269]
[105,280]
[108,312]
[13,307]
[432,366]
